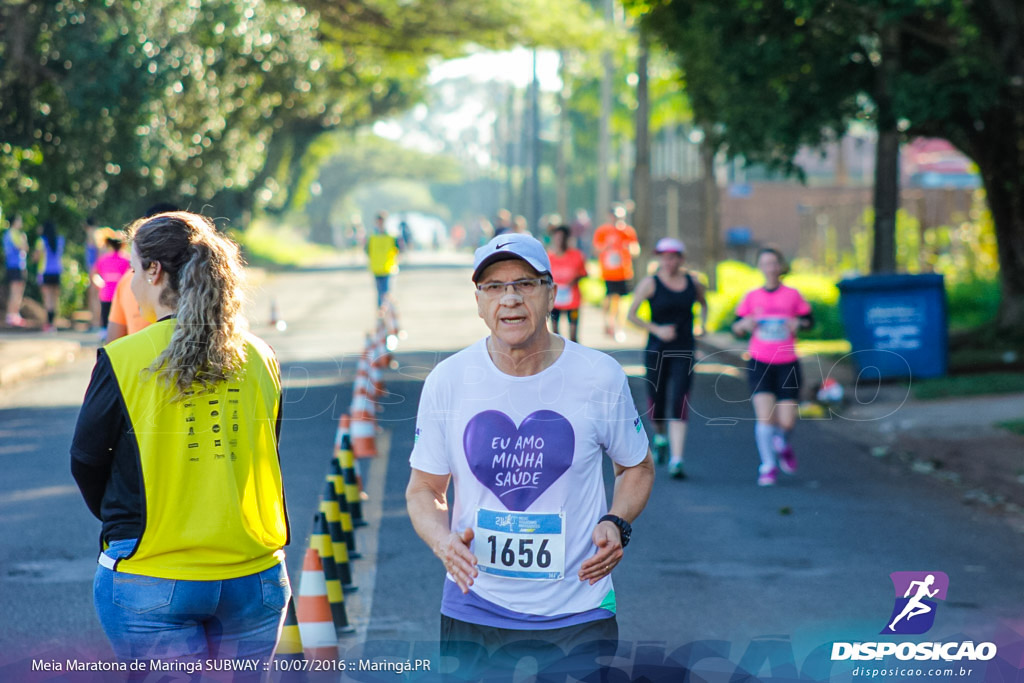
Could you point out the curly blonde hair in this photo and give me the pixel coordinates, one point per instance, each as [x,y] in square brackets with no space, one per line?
[204,285]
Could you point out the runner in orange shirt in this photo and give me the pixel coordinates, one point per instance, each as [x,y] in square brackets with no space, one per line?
[125,317]
[615,244]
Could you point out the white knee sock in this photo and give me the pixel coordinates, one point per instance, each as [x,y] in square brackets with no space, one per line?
[763,433]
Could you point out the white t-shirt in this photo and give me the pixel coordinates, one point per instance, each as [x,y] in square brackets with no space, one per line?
[525,455]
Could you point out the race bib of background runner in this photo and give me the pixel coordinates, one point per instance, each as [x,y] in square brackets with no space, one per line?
[772,330]
[563,295]
[520,545]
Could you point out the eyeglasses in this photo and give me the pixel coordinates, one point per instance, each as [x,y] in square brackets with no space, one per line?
[525,286]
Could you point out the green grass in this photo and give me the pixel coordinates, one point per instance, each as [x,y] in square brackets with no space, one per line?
[279,247]
[1015,426]
[969,385]
[971,303]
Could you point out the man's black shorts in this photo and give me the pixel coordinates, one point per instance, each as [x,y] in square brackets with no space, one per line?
[485,650]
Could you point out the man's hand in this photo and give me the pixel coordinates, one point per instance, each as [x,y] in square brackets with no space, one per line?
[458,560]
[608,540]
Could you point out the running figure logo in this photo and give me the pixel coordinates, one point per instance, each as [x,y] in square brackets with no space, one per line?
[916,592]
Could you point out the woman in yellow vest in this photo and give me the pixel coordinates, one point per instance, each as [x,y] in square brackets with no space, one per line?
[382,251]
[176,452]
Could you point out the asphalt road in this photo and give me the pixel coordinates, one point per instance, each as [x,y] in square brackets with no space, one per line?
[722,574]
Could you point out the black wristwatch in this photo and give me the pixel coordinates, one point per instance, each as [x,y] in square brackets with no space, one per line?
[625,528]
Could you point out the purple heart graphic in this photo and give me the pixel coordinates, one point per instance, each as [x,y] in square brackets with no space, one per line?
[518,464]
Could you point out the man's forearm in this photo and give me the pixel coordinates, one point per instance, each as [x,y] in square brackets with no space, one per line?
[429,517]
[632,489]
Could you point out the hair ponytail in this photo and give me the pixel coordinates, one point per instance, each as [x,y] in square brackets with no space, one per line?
[204,271]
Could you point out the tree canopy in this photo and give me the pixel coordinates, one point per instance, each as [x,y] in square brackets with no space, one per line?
[108,106]
[767,76]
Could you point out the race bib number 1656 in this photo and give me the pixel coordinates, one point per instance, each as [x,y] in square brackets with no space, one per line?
[520,545]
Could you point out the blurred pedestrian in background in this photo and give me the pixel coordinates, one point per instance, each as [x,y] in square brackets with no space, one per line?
[49,255]
[567,269]
[107,273]
[93,240]
[581,231]
[672,293]
[615,244]
[382,250]
[772,315]
[16,263]
[502,223]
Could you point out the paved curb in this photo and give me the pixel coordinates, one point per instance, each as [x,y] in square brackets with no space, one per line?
[40,357]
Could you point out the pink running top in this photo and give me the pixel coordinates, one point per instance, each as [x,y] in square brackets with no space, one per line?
[772,342]
[110,267]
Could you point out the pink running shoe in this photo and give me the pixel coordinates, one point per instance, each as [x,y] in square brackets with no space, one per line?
[787,459]
[768,478]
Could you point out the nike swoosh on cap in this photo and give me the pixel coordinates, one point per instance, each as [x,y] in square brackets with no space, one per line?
[499,246]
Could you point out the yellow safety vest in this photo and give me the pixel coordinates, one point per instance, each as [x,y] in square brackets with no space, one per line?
[383,253]
[211,478]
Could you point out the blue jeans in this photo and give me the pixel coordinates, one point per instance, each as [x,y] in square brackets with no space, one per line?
[383,282]
[149,618]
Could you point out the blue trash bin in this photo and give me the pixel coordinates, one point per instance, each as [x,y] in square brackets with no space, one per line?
[896,324]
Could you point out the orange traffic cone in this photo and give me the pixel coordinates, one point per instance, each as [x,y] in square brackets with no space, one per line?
[391,320]
[364,431]
[381,353]
[313,610]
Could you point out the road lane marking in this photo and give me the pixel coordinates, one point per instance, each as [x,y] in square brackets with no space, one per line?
[359,605]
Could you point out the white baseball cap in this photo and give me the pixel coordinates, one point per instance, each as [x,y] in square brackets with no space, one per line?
[668,244]
[514,245]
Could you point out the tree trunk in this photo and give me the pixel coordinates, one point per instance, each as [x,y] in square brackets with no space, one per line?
[887,158]
[509,147]
[603,191]
[709,206]
[561,146]
[642,169]
[1008,214]
[534,206]
[1002,170]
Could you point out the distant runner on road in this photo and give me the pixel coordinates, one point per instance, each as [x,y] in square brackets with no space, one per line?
[615,244]
[672,293]
[772,315]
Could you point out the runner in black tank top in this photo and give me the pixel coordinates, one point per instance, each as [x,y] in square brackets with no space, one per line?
[672,293]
